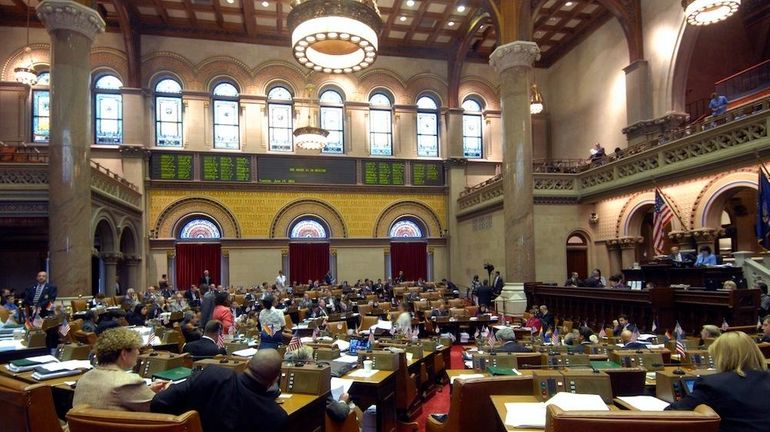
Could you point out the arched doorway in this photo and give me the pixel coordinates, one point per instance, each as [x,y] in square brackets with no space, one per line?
[126,272]
[104,256]
[309,257]
[409,249]
[734,210]
[641,224]
[577,255]
[198,249]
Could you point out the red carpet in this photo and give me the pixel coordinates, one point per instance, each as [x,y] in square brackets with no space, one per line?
[439,402]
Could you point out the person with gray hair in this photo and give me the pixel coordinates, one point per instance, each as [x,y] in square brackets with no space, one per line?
[337,410]
[228,401]
[507,338]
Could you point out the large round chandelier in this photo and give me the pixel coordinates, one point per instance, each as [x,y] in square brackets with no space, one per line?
[310,137]
[335,36]
[705,12]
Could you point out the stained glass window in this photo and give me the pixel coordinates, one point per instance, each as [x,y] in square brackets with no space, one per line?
[108,111]
[427,127]
[41,109]
[380,125]
[280,119]
[332,113]
[405,229]
[308,229]
[168,113]
[472,139]
[226,117]
[200,228]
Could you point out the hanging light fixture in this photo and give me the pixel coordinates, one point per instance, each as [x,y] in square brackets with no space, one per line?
[535,100]
[26,74]
[310,137]
[335,36]
[705,12]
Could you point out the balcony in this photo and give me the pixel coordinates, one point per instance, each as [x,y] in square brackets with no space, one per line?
[738,136]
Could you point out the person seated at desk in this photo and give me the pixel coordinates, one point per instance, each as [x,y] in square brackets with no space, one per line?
[403,324]
[764,298]
[337,410]
[616,281]
[8,301]
[130,300]
[441,311]
[138,316]
[109,320]
[738,393]
[596,280]
[533,322]
[507,337]
[110,384]
[628,341]
[179,304]
[189,327]
[573,281]
[765,336]
[89,322]
[229,401]
[729,285]
[705,257]
[193,296]
[709,332]
[679,257]
[546,318]
[206,346]
[319,309]
[622,323]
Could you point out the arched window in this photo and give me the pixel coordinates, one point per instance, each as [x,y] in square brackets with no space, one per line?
[280,107]
[308,228]
[41,109]
[472,139]
[168,113]
[332,119]
[200,228]
[108,110]
[405,228]
[226,116]
[427,127]
[380,125]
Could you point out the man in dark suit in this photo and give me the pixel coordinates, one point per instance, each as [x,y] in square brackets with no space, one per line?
[627,338]
[497,284]
[193,296]
[623,324]
[546,318]
[508,339]
[484,293]
[228,401]
[206,279]
[40,294]
[207,303]
[679,257]
[206,346]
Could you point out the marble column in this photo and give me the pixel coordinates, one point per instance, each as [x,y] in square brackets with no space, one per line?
[72,28]
[638,92]
[616,262]
[513,62]
[133,269]
[110,272]
[706,237]
[628,246]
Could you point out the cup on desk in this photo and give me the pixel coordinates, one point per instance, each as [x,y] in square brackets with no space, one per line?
[368,365]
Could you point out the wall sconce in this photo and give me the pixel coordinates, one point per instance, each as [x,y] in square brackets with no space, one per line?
[593,219]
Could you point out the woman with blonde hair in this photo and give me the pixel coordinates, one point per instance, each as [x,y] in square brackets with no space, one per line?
[738,392]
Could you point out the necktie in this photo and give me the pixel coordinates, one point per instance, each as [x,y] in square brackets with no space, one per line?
[38,293]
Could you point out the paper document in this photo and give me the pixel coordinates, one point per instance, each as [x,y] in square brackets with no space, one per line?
[340,386]
[361,373]
[43,359]
[67,365]
[248,352]
[464,376]
[578,402]
[385,325]
[409,357]
[343,345]
[347,359]
[645,403]
[532,414]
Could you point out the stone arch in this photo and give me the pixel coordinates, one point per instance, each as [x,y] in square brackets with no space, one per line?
[381,78]
[110,59]
[168,220]
[103,227]
[475,86]
[711,200]
[633,211]
[164,62]
[129,237]
[217,67]
[286,216]
[429,83]
[679,68]
[345,84]
[265,75]
[399,209]
[41,59]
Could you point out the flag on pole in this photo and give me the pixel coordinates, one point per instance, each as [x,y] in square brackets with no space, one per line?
[602,333]
[678,332]
[681,349]
[635,335]
[221,340]
[37,322]
[763,209]
[28,324]
[64,329]
[661,218]
[295,343]
[371,338]
[477,334]
[491,339]
[667,336]
[555,337]
[759,323]
[151,339]
[725,326]
[654,326]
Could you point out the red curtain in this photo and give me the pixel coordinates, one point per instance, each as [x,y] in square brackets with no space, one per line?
[410,257]
[308,261]
[192,259]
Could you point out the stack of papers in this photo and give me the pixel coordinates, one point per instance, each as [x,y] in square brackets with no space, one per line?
[343,345]
[248,352]
[645,403]
[532,414]
[60,369]
[361,373]
[340,386]
[465,376]
[30,363]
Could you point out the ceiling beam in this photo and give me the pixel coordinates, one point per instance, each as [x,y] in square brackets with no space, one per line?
[132,39]
[279,15]
[218,13]
[418,18]
[562,47]
[190,13]
[392,17]
[161,11]
[249,19]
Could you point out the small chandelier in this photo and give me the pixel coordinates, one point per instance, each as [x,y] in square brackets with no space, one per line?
[25,74]
[310,137]
[335,36]
[535,100]
[705,12]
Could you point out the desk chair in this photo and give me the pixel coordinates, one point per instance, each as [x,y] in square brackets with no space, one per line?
[79,305]
[470,408]
[27,407]
[86,419]
[367,322]
[702,419]
[349,425]
[337,328]
[626,381]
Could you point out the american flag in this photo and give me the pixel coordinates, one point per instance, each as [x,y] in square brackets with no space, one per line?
[678,332]
[221,340]
[725,326]
[681,349]
[602,333]
[37,322]
[371,338]
[151,339]
[663,215]
[64,329]
[316,332]
[294,344]
[491,339]
[654,326]
[635,335]
[555,337]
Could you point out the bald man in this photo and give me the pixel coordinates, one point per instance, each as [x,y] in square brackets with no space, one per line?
[228,401]
[627,338]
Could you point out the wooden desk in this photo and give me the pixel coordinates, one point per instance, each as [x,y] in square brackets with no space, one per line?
[379,390]
[8,356]
[499,403]
[306,412]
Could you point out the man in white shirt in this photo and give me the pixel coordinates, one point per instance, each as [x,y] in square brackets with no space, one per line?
[280,281]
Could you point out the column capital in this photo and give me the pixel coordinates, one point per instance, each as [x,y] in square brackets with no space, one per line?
[111,257]
[519,53]
[624,242]
[69,15]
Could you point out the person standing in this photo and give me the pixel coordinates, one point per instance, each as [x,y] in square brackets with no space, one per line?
[280,281]
[718,104]
[206,279]
[484,294]
[498,284]
[41,294]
